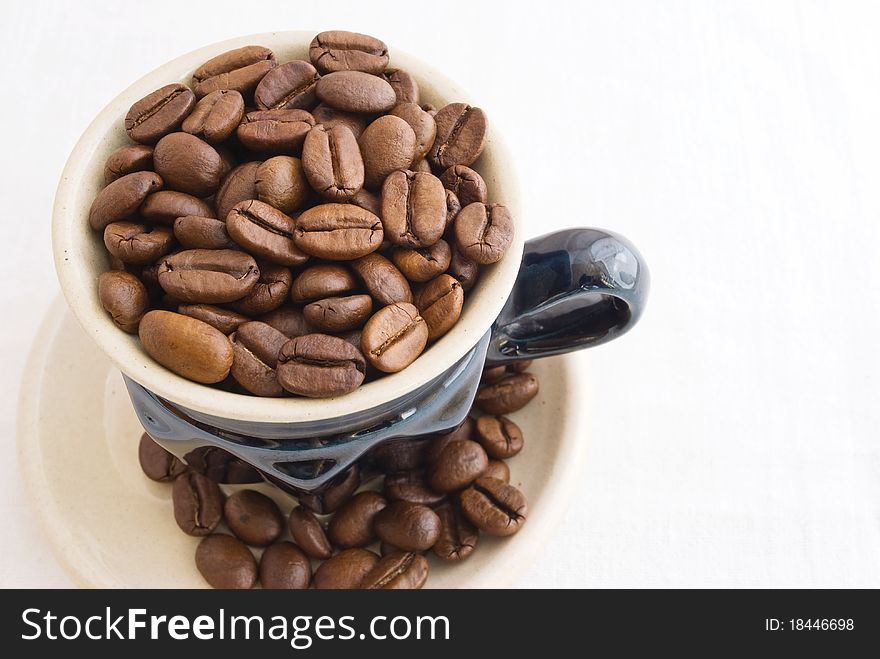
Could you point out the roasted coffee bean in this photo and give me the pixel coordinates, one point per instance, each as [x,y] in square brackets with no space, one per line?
[165,206]
[453,206]
[332,162]
[339,314]
[458,464]
[367,200]
[383,281]
[408,526]
[253,517]
[226,562]
[188,164]
[288,321]
[520,366]
[398,571]
[499,436]
[458,537]
[465,430]
[387,144]
[159,113]
[221,466]
[483,233]
[346,570]
[186,345]
[308,533]
[339,50]
[138,244]
[197,503]
[121,198]
[461,135]
[352,524]
[124,297]
[507,395]
[338,232]
[494,507]
[423,126]
[264,231]
[493,374]
[334,495]
[464,270]
[440,303]
[194,232]
[330,117]
[284,566]
[281,183]
[322,281]
[421,265]
[240,70]
[400,454]
[127,160]
[355,91]
[498,469]
[405,86]
[157,463]
[394,337]
[225,320]
[319,366]
[279,132]
[413,209]
[209,276]
[238,186]
[256,347]
[411,486]
[467,184]
[216,116]
[269,293]
[422,166]
[289,86]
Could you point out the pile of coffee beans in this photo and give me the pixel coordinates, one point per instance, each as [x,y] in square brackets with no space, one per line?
[295,228]
[375,525]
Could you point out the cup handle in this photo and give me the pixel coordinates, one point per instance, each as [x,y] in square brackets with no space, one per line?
[575,289]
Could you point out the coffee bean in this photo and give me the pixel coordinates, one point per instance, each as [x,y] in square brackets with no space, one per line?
[387,144]
[464,270]
[458,464]
[406,89]
[461,135]
[221,466]
[483,233]
[330,117]
[197,503]
[269,293]
[264,231]
[289,86]
[458,537]
[308,533]
[398,571]
[319,366]
[394,337]
[466,430]
[256,347]
[422,166]
[157,463]
[519,366]
[339,50]
[494,507]
[216,116]
[159,113]
[121,198]
[399,455]
[186,345]
[421,265]
[322,281]
[226,562]
[210,276]
[281,183]
[194,232]
[423,126]
[413,209]
[498,469]
[253,517]
[355,91]
[138,244]
[352,524]
[127,160]
[507,395]
[411,486]
[188,164]
[288,321]
[240,70]
[493,374]
[440,303]
[225,320]
[339,314]
[283,565]
[499,436]
[124,297]
[238,186]
[409,526]
[367,200]
[332,162]
[346,570]
[165,206]
[467,184]
[338,232]
[335,494]
[280,132]
[453,206]
[383,281]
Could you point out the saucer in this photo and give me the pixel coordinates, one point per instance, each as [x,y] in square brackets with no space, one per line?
[111,527]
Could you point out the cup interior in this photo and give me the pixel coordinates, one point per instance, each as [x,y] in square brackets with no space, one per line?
[80,256]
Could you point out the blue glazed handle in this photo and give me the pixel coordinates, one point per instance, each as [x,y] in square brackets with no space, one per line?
[575,289]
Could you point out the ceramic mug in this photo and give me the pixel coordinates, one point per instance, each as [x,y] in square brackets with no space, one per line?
[565,291]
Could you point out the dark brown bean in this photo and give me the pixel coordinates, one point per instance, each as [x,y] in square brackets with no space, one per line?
[159,113]
[400,454]
[238,186]
[209,276]
[221,466]
[308,533]
[165,206]
[226,562]
[331,117]
[284,566]
[458,464]
[387,144]
[280,132]
[186,345]
[410,486]
[394,337]
[188,164]
[253,517]
[458,537]
[440,303]
[355,91]
[269,293]
[421,265]
[352,524]
[265,231]
[225,320]
[339,50]
[281,183]
[413,209]
[461,135]
[464,270]
[157,463]
[197,503]
[483,233]
[507,395]
[494,507]
[423,126]
[346,570]
[338,232]
[335,494]
[398,571]
[256,347]
[240,69]
[339,314]
[127,160]
[194,232]
[121,198]
[138,244]
[332,162]
[216,116]
[406,89]
[465,430]
[408,526]
[288,321]
[289,86]
[498,469]
[500,436]
[124,297]
[493,374]
[383,281]
[321,281]
[319,365]
[467,184]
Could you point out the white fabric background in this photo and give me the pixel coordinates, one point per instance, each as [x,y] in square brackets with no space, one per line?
[734,433]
